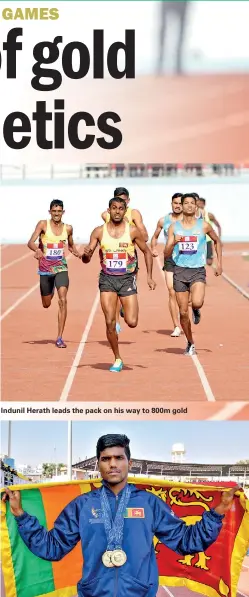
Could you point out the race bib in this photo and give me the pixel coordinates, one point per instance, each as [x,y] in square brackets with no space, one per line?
[188,245]
[116,263]
[54,251]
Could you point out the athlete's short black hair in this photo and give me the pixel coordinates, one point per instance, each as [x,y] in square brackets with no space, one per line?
[176,195]
[121,191]
[56,202]
[117,200]
[192,195]
[203,200]
[195,194]
[113,440]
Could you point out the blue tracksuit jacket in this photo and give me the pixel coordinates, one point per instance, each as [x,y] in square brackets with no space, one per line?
[82,521]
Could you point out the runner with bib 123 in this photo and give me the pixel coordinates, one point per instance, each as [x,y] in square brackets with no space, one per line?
[187,245]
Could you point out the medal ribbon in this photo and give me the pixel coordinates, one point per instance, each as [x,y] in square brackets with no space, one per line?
[114,528]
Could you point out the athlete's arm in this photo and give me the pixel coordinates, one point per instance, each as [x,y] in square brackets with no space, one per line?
[40,227]
[50,545]
[140,242]
[218,246]
[155,236]
[138,221]
[104,216]
[93,243]
[172,240]
[190,539]
[71,246]
[215,222]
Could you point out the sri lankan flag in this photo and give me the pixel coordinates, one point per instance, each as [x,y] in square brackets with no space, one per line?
[214,573]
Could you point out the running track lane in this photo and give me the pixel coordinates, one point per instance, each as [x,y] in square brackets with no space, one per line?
[144,349]
[154,363]
[236,267]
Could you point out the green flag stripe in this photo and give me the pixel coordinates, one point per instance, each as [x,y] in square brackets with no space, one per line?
[33,576]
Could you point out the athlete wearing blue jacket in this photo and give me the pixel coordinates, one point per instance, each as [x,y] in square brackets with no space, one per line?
[83,520]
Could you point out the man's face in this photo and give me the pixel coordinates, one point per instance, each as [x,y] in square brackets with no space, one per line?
[56,213]
[200,204]
[113,465]
[177,205]
[189,206]
[126,199]
[117,211]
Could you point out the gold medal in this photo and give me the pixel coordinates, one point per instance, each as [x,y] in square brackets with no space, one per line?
[118,557]
[107,560]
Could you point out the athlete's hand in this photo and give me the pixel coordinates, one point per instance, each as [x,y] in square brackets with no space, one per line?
[151,284]
[178,238]
[14,499]
[75,252]
[218,270]
[38,254]
[87,254]
[226,500]
[154,253]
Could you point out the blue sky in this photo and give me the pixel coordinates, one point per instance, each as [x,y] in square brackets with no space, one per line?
[34,442]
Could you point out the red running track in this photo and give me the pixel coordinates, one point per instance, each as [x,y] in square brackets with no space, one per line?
[33,369]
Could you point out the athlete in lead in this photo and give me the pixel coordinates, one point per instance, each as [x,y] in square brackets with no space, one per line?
[118,259]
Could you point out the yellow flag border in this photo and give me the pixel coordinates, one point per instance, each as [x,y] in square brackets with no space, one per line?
[7,569]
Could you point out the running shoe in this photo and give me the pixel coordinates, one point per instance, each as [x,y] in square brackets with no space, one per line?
[60,343]
[176,333]
[118,328]
[118,366]
[196,316]
[190,350]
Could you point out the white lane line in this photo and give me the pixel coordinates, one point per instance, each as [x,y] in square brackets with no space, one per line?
[167,591]
[24,296]
[228,411]
[79,353]
[15,261]
[243,594]
[202,375]
[241,290]
[244,566]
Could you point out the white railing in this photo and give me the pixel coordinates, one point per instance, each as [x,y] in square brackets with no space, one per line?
[93,171]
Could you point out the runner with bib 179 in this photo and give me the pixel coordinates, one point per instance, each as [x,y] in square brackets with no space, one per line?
[187,245]
[118,260]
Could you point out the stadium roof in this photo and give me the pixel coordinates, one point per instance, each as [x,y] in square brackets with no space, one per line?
[153,467]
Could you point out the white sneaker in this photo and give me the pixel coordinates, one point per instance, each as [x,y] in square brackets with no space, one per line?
[190,350]
[176,333]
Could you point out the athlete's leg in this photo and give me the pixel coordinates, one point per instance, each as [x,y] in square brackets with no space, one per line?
[47,290]
[62,313]
[130,309]
[197,291]
[108,301]
[173,308]
[182,300]
[121,312]
[62,284]
[118,312]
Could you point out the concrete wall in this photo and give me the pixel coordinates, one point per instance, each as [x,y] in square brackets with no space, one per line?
[24,203]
